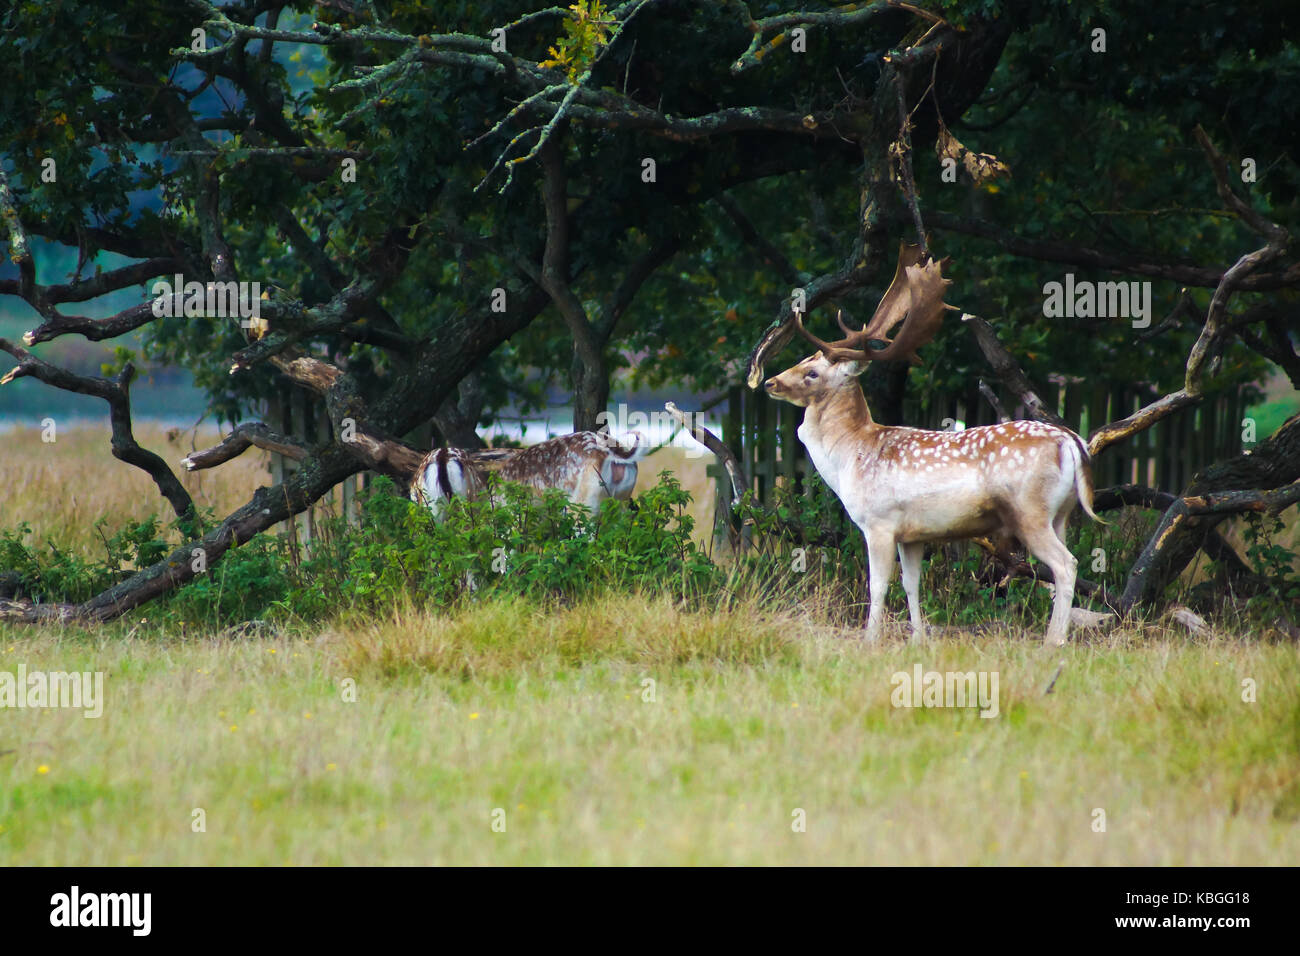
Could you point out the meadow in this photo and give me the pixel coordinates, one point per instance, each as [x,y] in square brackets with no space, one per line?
[625,728]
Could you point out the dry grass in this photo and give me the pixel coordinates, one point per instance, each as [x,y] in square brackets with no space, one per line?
[690,469]
[62,488]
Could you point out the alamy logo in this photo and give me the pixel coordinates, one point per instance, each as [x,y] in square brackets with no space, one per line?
[656,423]
[946,689]
[75,689]
[1098,300]
[213,299]
[102,909]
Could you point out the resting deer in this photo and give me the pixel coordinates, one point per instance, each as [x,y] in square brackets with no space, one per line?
[587,466]
[907,486]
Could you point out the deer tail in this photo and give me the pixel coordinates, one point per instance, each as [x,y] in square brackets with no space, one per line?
[1082,462]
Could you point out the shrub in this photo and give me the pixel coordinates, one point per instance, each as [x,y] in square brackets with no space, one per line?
[540,547]
[50,573]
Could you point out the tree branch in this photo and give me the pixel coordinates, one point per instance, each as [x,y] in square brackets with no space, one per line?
[246,435]
[1008,370]
[1123,263]
[116,392]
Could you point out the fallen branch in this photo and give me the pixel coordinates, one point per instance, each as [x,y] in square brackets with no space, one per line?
[1140,496]
[1267,479]
[1235,502]
[267,508]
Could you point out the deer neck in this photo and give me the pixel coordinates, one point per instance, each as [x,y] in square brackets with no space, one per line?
[834,429]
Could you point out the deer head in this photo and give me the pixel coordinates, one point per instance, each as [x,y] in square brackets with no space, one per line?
[914,299]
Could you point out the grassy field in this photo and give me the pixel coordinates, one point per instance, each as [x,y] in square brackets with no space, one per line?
[403,739]
[544,716]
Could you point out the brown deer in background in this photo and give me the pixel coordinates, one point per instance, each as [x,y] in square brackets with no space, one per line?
[587,466]
[907,486]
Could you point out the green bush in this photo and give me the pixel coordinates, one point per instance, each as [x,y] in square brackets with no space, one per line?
[50,574]
[543,548]
[538,547]
[248,582]
[1275,564]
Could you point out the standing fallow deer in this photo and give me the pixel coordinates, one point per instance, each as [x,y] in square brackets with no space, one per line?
[907,486]
[587,466]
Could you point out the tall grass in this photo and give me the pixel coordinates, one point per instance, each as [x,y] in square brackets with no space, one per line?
[65,487]
[628,730]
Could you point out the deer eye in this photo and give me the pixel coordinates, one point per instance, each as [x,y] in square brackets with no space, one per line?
[812,374]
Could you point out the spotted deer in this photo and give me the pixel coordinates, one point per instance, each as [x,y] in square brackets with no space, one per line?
[905,487]
[587,466]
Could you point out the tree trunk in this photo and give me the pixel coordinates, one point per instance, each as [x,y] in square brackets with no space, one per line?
[590,395]
[457,417]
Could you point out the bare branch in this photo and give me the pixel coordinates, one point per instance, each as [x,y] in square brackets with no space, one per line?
[847,16]
[1009,371]
[991,397]
[1141,420]
[1125,263]
[246,435]
[1235,502]
[901,150]
[116,392]
[735,471]
[96,330]
[779,333]
[1218,165]
[82,290]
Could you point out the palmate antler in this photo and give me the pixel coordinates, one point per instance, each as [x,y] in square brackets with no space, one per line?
[914,298]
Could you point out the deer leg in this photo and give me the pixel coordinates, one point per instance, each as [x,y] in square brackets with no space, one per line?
[880,558]
[1044,544]
[909,559]
[1062,518]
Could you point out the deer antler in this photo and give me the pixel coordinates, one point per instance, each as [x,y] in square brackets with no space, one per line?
[922,316]
[914,297]
[898,297]
[836,352]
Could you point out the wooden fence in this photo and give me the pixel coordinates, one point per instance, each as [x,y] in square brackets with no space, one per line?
[761,433]
[296,413]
